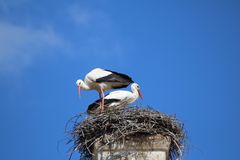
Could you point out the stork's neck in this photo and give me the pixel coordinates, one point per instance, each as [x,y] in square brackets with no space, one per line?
[135,93]
[85,86]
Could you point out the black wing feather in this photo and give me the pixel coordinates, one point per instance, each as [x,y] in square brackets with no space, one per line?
[116,77]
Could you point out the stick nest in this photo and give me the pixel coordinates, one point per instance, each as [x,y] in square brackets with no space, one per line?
[117,124]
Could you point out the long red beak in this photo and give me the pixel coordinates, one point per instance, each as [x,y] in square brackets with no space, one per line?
[140,94]
[79,89]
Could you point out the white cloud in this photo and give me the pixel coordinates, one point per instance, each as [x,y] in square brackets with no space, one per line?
[98,37]
[91,34]
[89,18]
[80,16]
[19,45]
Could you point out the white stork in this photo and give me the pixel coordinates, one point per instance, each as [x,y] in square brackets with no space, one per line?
[117,99]
[100,80]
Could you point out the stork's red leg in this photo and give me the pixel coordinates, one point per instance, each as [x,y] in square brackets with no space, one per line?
[102,100]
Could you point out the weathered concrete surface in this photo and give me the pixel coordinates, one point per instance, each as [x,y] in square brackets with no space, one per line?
[134,148]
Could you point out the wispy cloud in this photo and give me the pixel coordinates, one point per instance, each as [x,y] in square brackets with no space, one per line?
[81,17]
[98,35]
[86,32]
[89,18]
[19,45]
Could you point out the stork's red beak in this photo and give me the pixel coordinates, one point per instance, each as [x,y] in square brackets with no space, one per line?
[140,94]
[79,89]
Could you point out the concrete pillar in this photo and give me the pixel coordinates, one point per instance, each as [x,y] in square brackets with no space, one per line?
[137,147]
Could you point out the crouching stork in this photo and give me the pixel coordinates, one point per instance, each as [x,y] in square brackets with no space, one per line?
[116,99]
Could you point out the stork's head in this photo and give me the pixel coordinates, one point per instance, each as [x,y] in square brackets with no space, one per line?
[79,83]
[135,86]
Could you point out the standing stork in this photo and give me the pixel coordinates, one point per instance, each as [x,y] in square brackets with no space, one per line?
[100,80]
[117,99]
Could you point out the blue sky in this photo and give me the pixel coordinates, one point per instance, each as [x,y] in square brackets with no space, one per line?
[185,55]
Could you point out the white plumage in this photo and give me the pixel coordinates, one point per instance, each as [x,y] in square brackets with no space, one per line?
[117,99]
[100,80]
